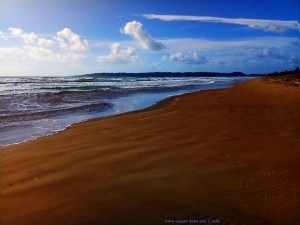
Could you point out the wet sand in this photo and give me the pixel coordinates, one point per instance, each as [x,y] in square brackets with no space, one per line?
[227,154]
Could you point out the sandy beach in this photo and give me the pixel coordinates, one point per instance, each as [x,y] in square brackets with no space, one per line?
[225,156]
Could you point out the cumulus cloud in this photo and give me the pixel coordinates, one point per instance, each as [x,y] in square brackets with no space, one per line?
[71,41]
[118,54]
[189,57]
[135,30]
[28,53]
[27,38]
[30,38]
[45,42]
[17,32]
[65,38]
[275,26]
[42,49]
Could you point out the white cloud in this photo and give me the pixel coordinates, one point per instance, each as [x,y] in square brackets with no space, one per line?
[41,53]
[135,29]
[65,38]
[189,57]
[27,38]
[45,42]
[37,49]
[38,54]
[71,41]
[17,32]
[7,53]
[118,54]
[24,53]
[275,26]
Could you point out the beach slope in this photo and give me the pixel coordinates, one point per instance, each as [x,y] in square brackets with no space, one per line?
[231,155]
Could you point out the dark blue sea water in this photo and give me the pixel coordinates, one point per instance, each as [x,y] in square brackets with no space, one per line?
[31,107]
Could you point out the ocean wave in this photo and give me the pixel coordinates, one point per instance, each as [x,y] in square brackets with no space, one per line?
[14,86]
[88,108]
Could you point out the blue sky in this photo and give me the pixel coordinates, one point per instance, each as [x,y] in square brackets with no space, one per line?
[67,37]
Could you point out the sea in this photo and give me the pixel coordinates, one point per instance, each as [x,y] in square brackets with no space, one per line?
[32,107]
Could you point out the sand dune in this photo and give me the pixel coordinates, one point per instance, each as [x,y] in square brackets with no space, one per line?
[228,154]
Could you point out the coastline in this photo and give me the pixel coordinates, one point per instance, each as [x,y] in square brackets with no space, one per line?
[21,125]
[229,154]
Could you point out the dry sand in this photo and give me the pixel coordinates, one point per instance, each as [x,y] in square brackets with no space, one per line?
[228,154]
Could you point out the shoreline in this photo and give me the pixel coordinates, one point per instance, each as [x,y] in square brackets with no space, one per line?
[117,114]
[228,154]
[105,117]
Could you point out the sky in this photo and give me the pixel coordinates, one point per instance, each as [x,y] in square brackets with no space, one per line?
[72,37]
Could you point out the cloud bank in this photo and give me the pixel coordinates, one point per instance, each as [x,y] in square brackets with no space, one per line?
[135,30]
[275,26]
[65,52]
[37,53]
[31,52]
